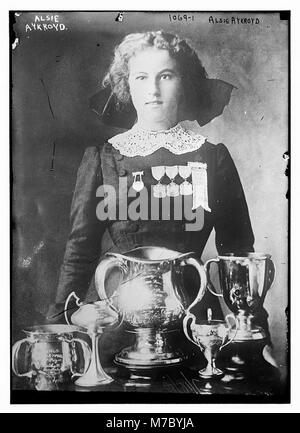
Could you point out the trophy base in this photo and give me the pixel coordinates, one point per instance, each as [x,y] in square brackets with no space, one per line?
[133,359]
[152,349]
[208,374]
[93,381]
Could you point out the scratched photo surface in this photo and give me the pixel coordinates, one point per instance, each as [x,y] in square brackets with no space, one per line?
[58,61]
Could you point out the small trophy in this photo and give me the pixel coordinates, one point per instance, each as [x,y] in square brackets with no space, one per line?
[210,336]
[93,319]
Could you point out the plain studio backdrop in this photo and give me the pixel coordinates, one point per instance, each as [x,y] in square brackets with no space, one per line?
[55,70]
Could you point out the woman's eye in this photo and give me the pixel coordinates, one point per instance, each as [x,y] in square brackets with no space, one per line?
[140,77]
[165,76]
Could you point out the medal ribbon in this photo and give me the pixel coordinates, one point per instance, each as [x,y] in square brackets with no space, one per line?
[199,180]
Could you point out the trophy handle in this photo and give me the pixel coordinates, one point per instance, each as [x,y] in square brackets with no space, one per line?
[185,323]
[15,352]
[236,330]
[87,356]
[209,283]
[192,261]
[270,274]
[78,303]
[103,268]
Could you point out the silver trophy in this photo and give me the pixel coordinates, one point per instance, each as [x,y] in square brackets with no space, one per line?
[151,300]
[49,356]
[93,319]
[245,280]
[211,336]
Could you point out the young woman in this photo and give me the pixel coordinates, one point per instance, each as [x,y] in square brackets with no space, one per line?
[156,80]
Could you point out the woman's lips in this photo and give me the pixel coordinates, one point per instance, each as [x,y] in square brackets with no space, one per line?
[153,103]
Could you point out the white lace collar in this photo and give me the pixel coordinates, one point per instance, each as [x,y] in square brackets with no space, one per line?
[140,142]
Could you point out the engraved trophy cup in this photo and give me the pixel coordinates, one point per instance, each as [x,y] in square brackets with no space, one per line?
[49,356]
[245,281]
[211,336]
[151,299]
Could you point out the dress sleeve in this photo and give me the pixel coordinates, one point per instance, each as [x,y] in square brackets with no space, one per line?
[231,217]
[83,247]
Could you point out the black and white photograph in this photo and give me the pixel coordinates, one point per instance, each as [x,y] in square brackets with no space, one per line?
[149,206]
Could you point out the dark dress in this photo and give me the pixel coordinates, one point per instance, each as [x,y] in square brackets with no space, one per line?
[91,238]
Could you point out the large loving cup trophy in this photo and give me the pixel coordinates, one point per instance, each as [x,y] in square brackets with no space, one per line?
[150,297]
[245,280]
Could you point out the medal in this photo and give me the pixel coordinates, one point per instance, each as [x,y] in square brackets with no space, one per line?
[186,188]
[172,187]
[138,183]
[159,190]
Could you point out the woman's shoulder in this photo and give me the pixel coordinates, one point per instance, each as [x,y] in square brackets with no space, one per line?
[216,155]
[215,149]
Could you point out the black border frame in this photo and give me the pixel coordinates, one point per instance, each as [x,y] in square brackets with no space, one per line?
[105,397]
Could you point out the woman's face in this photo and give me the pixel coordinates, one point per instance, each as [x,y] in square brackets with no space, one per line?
[155,88]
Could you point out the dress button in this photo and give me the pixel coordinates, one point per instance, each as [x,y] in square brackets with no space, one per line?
[122,172]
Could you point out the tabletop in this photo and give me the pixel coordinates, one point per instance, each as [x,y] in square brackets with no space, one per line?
[254,381]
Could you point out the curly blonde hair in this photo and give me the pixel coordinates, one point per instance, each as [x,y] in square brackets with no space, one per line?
[192,72]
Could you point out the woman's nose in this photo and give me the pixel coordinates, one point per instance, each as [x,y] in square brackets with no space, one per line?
[153,87]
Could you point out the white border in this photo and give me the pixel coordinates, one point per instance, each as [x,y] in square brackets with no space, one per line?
[5,406]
